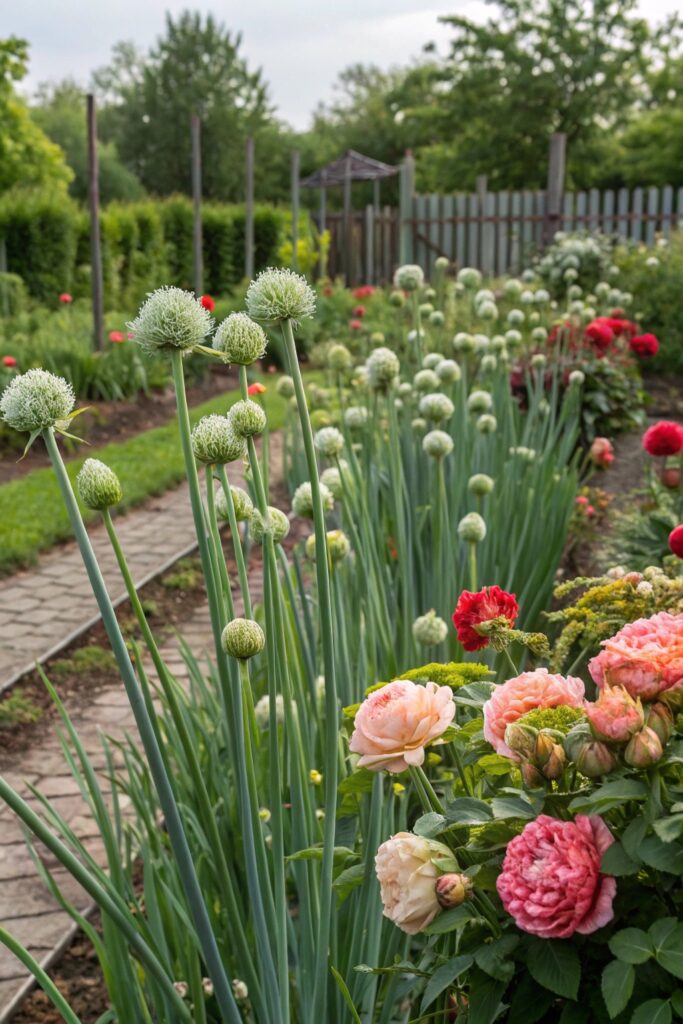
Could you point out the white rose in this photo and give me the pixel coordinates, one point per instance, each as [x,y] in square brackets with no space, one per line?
[407,877]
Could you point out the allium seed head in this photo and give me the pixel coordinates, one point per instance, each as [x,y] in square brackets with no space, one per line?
[280,295]
[409,277]
[436,407]
[171,318]
[214,441]
[243,638]
[437,443]
[98,486]
[330,442]
[240,340]
[275,524]
[247,418]
[472,528]
[36,400]
[302,502]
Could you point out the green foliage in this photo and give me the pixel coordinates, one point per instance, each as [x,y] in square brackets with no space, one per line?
[656,287]
[186,575]
[41,233]
[16,709]
[85,660]
[454,674]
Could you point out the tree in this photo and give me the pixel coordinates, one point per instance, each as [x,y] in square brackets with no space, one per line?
[60,111]
[27,156]
[196,67]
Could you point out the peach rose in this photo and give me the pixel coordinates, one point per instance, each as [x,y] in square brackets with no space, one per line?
[407,879]
[523,693]
[615,716]
[645,657]
[395,723]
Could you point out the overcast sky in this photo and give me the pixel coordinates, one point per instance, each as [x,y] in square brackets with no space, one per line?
[301,45]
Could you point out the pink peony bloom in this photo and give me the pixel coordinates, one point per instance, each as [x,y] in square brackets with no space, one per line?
[615,716]
[395,723]
[407,877]
[551,882]
[537,689]
[602,452]
[645,657]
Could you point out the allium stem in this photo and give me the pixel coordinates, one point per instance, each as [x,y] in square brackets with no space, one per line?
[169,807]
[472,557]
[319,1009]
[219,558]
[43,979]
[236,541]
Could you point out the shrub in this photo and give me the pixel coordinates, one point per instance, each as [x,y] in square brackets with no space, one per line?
[654,277]
[41,235]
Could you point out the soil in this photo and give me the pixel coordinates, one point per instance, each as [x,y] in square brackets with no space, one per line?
[107,422]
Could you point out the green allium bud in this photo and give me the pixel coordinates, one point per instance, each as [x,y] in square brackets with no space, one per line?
[488,364]
[472,528]
[247,418]
[437,319]
[397,299]
[383,368]
[429,294]
[419,425]
[479,401]
[429,629]
[339,359]
[330,442]
[436,407]
[469,277]
[512,288]
[36,400]
[405,389]
[302,502]
[516,317]
[285,387]
[338,546]
[241,501]
[431,360]
[98,485]
[487,310]
[426,309]
[480,484]
[214,441]
[425,380]
[240,340]
[243,638]
[577,377]
[442,263]
[320,418]
[276,525]
[332,479]
[171,318]
[448,371]
[538,361]
[377,338]
[437,443]
[280,295]
[409,277]
[539,335]
[356,417]
[513,339]
[487,424]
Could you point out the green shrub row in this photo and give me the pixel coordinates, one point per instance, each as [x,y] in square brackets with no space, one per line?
[144,245]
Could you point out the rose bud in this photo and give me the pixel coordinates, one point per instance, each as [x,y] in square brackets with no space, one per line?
[661,720]
[521,738]
[595,759]
[644,749]
[549,755]
[671,477]
[452,890]
[531,776]
[615,716]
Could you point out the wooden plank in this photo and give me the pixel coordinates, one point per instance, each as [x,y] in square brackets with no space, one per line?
[539,211]
[348,225]
[503,232]
[322,220]
[568,211]
[581,210]
[515,232]
[527,226]
[594,210]
[369,231]
[637,211]
[387,246]
[460,230]
[488,235]
[608,211]
[473,230]
[448,233]
[434,235]
[622,206]
[667,210]
[421,254]
[555,185]
[652,210]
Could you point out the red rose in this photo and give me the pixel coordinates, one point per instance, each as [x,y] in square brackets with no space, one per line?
[359,310]
[364,291]
[256,389]
[671,478]
[207,302]
[9,361]
[602,452]
[355,325]
[65,298]
[599,334]
[618,324]
[676,541]
[117,337]
[663,438]
[644,345]
[472,609]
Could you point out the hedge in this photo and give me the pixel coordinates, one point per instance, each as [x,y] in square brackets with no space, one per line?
[144,244]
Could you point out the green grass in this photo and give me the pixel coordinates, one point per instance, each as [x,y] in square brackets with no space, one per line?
[32,514]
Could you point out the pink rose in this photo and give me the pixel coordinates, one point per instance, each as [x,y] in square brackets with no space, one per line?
[615,716]
[537,689]
[407,878]
[645,657]
[395,723]
[551,882]
[602,452]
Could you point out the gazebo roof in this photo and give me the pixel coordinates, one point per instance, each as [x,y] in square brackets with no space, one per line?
[362,168]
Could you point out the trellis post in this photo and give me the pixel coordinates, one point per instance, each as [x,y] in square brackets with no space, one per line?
[95,240]
[197,261]
[555,186]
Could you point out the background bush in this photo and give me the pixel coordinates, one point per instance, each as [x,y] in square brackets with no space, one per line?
[656,288]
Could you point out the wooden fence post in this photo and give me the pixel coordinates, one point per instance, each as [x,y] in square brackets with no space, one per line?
[322,219]
[348,228]
[295,207]
[197,255]
[369,244]
[406,196]
[555,186]
[95,241]
[249,210]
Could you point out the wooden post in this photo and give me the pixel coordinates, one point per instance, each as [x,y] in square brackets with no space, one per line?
[555,188]
[197,261]
[369,244]
[407,194]
[375,195]
[95,241]
[295,207]
[348,229]
[249,210]
[387,249]
[322,218]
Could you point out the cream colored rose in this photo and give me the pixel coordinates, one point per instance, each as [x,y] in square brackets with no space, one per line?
[407,878]
[395,723]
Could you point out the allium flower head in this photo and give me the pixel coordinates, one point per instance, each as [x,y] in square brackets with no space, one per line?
[472,528]
[469,277]
[409,277]
[429,629]
[36,400]
[487,424]
[214,441]
[330,442]
[436,407]
[431,360]
[280,295]
[247,418]
[576,378]
[437,443]
[448,371]
[240,340]
[383,368]
[171,318]
[262,711]
[425,380]
[356,416]
[479,401]
[333,478]
[302,502]
[338,546]
[275,524]
[285,387]
[98,486]
[243,638]
[339,358]
[241,501]
[480,484]
[436,318]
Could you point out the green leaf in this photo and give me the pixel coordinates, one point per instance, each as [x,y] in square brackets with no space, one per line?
[511,807]
[485,996]
[347,881]
[473,695]
[669,953]
[453,919]
[494,764]
[612,794]
[341,854]
[615,861]
[660,930]
[492,958]
[430,825]
[654,1011]
[662,856]
[443,977]
[617,986]
[468,811]
[555,965]
[632,945]
[346,995]
[669,828]
[677,1001]
[633,837]
[572,1013]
